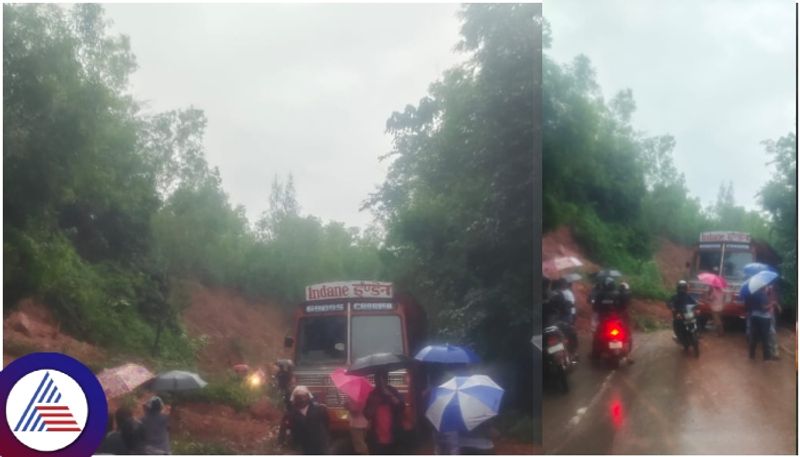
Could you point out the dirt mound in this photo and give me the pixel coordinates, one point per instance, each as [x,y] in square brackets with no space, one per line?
[233,329]
[219,424]
[31,327]
[671,259]
[560,243]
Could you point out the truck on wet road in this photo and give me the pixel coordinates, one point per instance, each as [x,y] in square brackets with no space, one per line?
[341,321]
[725,253]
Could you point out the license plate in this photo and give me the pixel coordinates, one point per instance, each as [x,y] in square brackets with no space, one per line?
[555,348]
[615,345]
[689,315]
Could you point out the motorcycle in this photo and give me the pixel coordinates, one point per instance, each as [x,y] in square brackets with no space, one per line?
[558,360]
[687,329]
[612,338]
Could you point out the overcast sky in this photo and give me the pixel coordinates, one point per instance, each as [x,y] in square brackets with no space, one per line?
[301,89]
[717,75]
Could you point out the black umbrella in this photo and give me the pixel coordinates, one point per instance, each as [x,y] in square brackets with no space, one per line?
[176,381]
[375,363]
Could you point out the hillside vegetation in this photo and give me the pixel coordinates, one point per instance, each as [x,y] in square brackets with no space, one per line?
[619,189]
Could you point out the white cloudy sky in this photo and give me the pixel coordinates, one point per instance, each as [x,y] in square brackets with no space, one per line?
[291,88]
[718,75]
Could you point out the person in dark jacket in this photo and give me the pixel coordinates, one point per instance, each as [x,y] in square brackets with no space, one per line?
[677,304]
[759,313]
[384,410]
[308,423]
[155,429]
[126,438]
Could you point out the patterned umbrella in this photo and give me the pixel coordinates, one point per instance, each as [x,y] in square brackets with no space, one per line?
[757,282]
[463,403]
[552,268]
[756,267]
[123,379]
[447,354]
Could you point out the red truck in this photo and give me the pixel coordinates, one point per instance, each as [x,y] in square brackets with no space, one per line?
[725,253]
[342,321]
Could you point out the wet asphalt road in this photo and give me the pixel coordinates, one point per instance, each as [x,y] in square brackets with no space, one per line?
[670,403]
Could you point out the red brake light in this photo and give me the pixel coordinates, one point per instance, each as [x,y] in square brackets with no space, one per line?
[615,331]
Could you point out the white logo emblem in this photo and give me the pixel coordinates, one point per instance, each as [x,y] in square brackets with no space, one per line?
[46,410]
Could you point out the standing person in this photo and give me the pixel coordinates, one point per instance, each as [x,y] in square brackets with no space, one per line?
[716,302]
[155,429]
[565,289]
[308,423]
[384,410]
[113,444]
[760,317]
[358,426]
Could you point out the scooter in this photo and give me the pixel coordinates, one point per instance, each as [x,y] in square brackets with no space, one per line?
[557,360]
[612,339]
[688,329]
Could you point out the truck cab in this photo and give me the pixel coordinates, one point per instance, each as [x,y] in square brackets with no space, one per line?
[725,253]
[342,321]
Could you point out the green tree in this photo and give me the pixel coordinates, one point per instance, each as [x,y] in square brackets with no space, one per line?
[779,198]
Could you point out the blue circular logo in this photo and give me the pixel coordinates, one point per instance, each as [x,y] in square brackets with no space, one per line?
[53,406]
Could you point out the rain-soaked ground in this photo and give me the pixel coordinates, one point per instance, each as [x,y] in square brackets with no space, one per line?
[670,403]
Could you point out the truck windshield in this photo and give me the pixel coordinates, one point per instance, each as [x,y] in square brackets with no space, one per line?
[375,334]
[322,340]
[708,261]
[733,265]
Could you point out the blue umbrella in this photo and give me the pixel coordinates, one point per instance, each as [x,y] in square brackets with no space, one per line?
[445,353]
[757,282]
[463,403]
[756,267]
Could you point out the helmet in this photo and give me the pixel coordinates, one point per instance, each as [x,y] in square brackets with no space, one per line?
[683,286]
[608,283]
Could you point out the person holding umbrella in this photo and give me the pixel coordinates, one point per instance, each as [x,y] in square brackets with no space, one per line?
[715,298]
[757,305]
[384,410]
[356,390]
[155,428]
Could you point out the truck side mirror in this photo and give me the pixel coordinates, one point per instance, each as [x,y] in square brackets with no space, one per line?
[288,342]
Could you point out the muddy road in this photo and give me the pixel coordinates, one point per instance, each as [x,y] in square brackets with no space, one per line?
[670,403]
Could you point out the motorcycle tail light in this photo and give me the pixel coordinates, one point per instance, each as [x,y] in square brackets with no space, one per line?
[615,331]
[551,340]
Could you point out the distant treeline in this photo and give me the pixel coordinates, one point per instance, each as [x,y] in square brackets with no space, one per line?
[619,189]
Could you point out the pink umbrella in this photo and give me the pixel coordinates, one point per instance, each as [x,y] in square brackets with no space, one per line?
[123,379]
[552,268]
[357,388]
[713,280]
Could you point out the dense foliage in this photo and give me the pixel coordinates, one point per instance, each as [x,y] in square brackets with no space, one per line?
[108,209]
[458,200]
[617,187]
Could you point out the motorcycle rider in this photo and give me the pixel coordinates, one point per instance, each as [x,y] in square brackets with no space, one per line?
[677,304]
[611,298]
[557,310]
